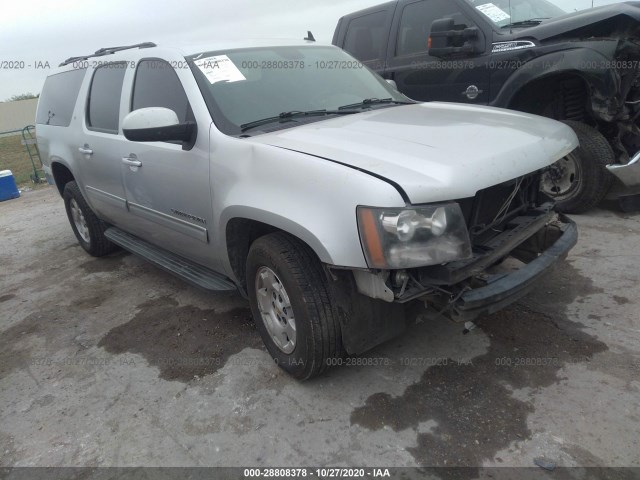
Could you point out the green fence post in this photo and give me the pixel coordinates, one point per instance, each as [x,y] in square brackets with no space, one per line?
[29,139]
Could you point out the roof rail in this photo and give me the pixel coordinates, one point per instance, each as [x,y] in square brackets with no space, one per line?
[107,51]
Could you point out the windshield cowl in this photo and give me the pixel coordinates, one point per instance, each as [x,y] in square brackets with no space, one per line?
[525,23]
[292,119]
[292,116]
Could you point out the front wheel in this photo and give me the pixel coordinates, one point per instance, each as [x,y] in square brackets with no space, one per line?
[290,302]
[580,181]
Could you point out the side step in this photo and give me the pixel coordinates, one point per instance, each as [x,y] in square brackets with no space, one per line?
[187,270]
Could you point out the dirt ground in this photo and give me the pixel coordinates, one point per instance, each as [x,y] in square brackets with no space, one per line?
[112,362]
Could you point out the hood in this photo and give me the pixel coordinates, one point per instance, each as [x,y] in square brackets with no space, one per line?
[601,22]
[434,151]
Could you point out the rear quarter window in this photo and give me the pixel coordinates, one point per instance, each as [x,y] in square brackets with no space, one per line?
[58,98]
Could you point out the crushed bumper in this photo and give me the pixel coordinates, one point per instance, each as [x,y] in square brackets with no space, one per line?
[503,290]
[628,174]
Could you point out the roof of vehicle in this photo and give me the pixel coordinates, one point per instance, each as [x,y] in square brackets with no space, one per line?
[192,49]
[373,9]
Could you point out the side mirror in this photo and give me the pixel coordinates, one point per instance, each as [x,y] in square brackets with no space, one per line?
[392,83]
[157,124]
[447,38]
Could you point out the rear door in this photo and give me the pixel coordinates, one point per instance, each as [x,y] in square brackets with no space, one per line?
[168,193]
[100,146]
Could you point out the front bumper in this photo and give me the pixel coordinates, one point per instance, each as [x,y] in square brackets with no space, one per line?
[628,174]
[503,290]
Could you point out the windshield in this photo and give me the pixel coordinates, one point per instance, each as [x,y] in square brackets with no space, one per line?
[506,12]
[249,85]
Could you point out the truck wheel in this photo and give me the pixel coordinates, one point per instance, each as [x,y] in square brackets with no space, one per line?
[88,228]
[580,181]
[290,302]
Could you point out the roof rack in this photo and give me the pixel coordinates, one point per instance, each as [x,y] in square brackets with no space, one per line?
[107,51]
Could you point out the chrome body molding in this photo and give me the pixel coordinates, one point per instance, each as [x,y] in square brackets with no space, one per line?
[185,228]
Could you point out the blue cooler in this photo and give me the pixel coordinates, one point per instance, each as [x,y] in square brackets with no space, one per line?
[8,188]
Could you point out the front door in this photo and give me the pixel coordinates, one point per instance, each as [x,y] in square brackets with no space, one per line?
[167,188]
[420,76]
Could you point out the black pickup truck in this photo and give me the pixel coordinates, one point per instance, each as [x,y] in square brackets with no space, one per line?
[582,68]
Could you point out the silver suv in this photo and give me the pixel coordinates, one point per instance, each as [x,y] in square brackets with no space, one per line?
[295,175]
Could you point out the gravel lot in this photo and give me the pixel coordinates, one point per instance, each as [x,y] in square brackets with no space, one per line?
[112,362]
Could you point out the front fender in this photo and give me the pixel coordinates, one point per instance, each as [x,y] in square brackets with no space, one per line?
[309,197]
[583,61]
[278,221]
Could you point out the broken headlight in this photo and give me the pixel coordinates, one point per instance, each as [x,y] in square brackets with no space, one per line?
[397,238]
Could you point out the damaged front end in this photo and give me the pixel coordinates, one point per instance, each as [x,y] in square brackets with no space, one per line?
[600,50]
[537,240]
[512,221]
[624,131]
[615,104]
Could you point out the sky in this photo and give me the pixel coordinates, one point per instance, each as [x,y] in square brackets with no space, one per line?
[39,31]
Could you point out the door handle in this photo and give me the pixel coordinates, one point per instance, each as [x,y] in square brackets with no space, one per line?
[132,162]
[85,150]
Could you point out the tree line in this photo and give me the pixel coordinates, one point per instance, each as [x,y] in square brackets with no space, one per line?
[22,96]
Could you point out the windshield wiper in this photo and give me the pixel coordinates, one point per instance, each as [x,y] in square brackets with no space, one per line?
[374,101]
[532,22]
[289,116]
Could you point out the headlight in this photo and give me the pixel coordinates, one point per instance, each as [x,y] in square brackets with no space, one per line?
[396,238]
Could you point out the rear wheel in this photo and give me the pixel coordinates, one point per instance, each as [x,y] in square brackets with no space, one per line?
[290,302]
[87,227]
[580,181]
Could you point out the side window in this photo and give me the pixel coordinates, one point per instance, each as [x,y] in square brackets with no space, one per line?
[366,36]
[157,85]
[58,98]
[103,106]
[416,20]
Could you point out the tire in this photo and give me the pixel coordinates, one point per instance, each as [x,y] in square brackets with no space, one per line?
[580,181]
[88,229]
[282,260]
